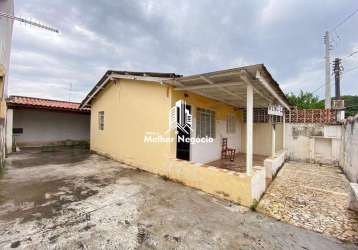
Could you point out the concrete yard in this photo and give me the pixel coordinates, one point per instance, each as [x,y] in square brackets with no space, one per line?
[75,200]
[314,197]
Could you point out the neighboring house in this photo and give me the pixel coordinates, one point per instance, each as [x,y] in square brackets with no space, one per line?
[6,24]
[42,122]
[130,122]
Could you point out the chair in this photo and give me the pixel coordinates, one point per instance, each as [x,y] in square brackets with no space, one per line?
[225,151]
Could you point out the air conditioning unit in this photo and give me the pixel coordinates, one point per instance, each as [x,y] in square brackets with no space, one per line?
[337,104]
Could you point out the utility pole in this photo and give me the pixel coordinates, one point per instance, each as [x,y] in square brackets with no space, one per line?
[338,103]
[337,69]
[327,102]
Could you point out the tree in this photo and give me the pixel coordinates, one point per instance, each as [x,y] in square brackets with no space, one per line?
[305,100]
[351,104]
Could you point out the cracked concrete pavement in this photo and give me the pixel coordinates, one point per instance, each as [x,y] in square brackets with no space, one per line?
[71,199]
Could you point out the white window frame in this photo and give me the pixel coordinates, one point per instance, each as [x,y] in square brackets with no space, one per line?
[231,123]
[205,123]
[101,120]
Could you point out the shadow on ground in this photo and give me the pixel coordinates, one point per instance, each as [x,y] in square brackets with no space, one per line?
[73,199]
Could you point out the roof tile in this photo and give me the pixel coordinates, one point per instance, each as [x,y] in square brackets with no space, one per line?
[39,103]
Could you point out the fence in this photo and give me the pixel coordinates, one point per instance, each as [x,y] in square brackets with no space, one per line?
[324,116]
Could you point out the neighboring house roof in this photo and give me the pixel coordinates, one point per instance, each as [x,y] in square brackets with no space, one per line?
[146,76]
[46,104]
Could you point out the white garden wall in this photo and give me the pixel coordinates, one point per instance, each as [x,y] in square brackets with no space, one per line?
[48,127]
[313,142]
[349,149]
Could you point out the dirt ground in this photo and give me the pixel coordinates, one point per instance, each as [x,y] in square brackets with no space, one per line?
[314,197]
[70,199]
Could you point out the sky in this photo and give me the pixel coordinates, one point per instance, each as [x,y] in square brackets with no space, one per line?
[184,37]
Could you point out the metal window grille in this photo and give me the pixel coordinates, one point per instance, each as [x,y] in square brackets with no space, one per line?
[231,123]
[260,115]
[205,123]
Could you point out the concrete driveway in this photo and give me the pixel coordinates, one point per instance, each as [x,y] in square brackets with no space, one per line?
[70,199]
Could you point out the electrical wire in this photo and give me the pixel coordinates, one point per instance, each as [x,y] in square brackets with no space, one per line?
[346,71]
[344,20]
[333,30]
[351,69]
[352,54]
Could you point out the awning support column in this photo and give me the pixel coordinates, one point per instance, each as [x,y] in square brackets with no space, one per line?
[249,127]
[273,140]
[284,130]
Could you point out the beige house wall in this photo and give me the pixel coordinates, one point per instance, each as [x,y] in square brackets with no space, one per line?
[230,185]
[204,153]
[6,27]
[129,105]
[131,110]
[134,108]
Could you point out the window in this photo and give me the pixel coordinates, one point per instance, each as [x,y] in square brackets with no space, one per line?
[231,123]
[101,120]
[17,130]
[205,123]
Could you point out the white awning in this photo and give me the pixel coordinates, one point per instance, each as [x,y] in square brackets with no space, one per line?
[229,86]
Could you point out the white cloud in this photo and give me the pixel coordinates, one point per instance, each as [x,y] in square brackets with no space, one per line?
[273,11]
[310,78]
[185,37]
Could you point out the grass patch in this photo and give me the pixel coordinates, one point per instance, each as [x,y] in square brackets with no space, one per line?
[254,205]
[164,178]
[223,194]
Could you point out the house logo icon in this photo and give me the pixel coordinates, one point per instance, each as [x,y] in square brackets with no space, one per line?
[180,118]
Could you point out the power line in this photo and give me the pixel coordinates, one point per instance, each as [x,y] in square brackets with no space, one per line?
[328,47]
[319,88]
[352,54]
[346,71]
[351,69]
[344,20]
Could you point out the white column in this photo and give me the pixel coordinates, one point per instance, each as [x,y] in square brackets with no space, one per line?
[249,127]
[9,126]
[273,139]
[284,130]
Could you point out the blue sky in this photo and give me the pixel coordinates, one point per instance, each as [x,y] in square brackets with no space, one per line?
[184,37]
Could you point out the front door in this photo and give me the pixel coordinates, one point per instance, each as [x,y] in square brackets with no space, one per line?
[183,132]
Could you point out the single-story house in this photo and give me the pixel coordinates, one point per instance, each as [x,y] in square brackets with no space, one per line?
[132,117]
[34,122]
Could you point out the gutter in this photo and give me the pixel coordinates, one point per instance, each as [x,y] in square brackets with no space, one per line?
[98,88]
[113,76]
[271,90]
